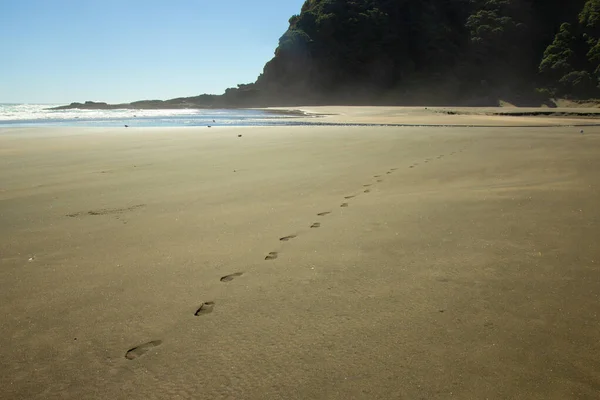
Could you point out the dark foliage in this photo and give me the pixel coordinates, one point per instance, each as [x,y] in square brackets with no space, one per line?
[427,51]
[402,51]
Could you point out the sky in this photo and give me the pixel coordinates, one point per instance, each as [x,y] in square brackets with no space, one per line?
[63,51]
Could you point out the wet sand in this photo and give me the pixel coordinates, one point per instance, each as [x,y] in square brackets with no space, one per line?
[300,262]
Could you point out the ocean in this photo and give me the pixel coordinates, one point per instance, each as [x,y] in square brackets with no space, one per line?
[17,115]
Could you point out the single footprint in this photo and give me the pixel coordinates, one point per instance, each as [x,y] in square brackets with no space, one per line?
[205,308]
[324,213]
[393,169]
[350,197]
[367,191]
[272,255]
[412,166]
[287,238]
[344,205]
[379,180]
[376,176]
[142,349]
[316,225]
[367,185]
[229,278]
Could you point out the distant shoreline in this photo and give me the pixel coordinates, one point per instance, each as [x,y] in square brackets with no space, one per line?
[170,105]
[563,108]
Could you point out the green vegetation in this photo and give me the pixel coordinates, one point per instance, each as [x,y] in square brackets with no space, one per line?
[434,51]
[470,52]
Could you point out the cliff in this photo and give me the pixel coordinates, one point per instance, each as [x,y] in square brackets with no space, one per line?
[401,52]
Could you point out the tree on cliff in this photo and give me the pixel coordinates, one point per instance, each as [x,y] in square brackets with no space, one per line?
[571,62]
[388,49]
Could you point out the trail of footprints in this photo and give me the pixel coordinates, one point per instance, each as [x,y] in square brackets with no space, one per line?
[207,307]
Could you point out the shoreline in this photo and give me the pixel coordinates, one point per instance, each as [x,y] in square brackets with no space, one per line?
[460,117]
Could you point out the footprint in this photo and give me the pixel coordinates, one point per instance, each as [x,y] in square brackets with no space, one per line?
[350,197]
[287,238]
[344,205]
[272,255]
[205,308]
[393,169]
[379,180]
[367,185]
[142,349]
[376,176]
[412,166]
[324,213]
[316,225]
[367,191]
[229,278]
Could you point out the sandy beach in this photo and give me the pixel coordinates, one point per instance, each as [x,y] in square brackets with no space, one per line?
[450,116]
[317,262]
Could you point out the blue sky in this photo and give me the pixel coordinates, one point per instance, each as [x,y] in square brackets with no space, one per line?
[60,51]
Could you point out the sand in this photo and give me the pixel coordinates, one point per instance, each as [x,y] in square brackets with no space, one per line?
[449,116]
[192,263]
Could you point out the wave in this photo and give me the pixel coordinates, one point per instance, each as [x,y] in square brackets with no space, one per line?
[39,112]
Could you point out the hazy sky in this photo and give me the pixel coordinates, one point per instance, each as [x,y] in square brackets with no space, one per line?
[60,51]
